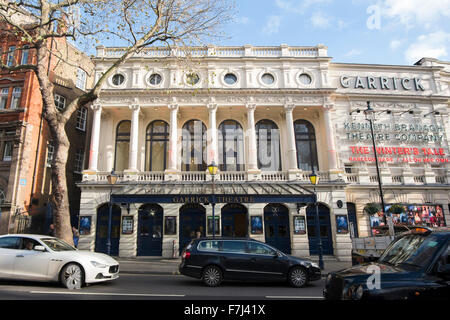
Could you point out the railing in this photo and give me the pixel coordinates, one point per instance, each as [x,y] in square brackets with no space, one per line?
[193,176]
[232,176]
[352,178]
[397,179]
[277,176]
[441,179]
[151,176]
[213,51]
[274,176]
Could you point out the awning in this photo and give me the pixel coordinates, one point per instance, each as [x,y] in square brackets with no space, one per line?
[219,192]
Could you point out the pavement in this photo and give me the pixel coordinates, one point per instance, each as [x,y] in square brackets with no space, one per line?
[164,266]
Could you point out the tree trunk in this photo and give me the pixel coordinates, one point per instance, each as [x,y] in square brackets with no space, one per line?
[56,123]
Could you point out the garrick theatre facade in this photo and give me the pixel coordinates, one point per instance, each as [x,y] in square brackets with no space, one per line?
[268,116]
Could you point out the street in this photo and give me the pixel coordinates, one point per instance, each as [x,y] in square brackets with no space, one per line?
[159,287]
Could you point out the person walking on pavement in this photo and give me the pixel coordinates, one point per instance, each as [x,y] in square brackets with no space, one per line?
[76,236]
[51,230]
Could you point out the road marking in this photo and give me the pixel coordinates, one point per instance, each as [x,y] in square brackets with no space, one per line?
[293,297]
[110,294]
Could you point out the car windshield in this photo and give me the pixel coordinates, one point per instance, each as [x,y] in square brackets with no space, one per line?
[58,245]
[411,250]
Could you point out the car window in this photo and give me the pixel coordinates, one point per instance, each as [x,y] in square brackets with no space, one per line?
[258,248]
[208,246]
[28,244]
[413,250]
[10,243]
[58,245]
[234,246]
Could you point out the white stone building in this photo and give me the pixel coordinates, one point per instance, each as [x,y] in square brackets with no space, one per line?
[268,116]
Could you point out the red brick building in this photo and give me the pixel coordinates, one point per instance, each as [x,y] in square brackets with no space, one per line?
[25,144]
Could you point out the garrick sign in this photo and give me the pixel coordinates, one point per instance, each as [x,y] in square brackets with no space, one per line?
[383,83]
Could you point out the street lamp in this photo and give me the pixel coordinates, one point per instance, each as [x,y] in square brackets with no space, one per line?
[112,179]
[314,178]
[213,168]
[370,116]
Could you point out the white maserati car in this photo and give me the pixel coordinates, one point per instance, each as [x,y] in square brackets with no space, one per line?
[44,258]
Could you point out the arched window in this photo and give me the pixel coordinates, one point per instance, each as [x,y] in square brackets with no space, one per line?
[193,153]
[122,146]
[157,141]
[305,140]
[231,146]
[268,144]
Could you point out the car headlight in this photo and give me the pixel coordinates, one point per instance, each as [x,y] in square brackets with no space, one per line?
[98,264]
[315,265]
[359,292]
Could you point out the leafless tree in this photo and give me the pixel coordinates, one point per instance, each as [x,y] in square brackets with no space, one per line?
[131,24]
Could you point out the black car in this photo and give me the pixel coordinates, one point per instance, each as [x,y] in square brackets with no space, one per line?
[416,265]
[215,260]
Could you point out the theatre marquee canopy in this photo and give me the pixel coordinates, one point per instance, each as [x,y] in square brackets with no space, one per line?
[203,193]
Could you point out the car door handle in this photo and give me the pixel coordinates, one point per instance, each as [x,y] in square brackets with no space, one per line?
[19,256]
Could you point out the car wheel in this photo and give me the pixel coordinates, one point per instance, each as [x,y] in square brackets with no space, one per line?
[212,276]
[298,277]
[72,276]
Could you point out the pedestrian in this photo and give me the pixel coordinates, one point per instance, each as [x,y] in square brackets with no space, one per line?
[76,236]
[51,230]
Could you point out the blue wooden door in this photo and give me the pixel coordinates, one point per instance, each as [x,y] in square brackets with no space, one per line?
[325,230]
[234,221]
[276,226]
[150,235]
[192,221]
[101,234]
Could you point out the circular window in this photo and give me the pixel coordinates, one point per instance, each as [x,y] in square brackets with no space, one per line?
[118,79]
[192,79]
[155,79]
[230,78]
[305,79]
[267,78]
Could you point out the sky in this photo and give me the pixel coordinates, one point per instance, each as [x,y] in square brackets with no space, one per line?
[394,32]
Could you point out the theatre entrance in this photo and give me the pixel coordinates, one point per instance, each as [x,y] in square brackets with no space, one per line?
[101,233]
[276,226]
[192,223]
[234,221]
[150,224]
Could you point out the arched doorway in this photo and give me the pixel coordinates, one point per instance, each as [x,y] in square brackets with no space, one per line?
[192,220]
[234,221]
[276,225]
[150,226]
[101,234]
[325,230]
[352,220]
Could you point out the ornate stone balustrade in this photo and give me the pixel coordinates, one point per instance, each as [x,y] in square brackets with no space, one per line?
[221,52]
[243,176]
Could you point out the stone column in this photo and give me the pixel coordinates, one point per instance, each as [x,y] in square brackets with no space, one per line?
[95,137]
[212,135]
[172,170]
[252,161]
[134,137]
[291,145]
[332,155]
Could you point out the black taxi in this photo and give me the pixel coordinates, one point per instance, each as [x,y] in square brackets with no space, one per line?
[416,265]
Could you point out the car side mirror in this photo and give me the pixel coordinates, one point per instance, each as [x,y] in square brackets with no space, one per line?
[277,255]
[443,267]
[39,248]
